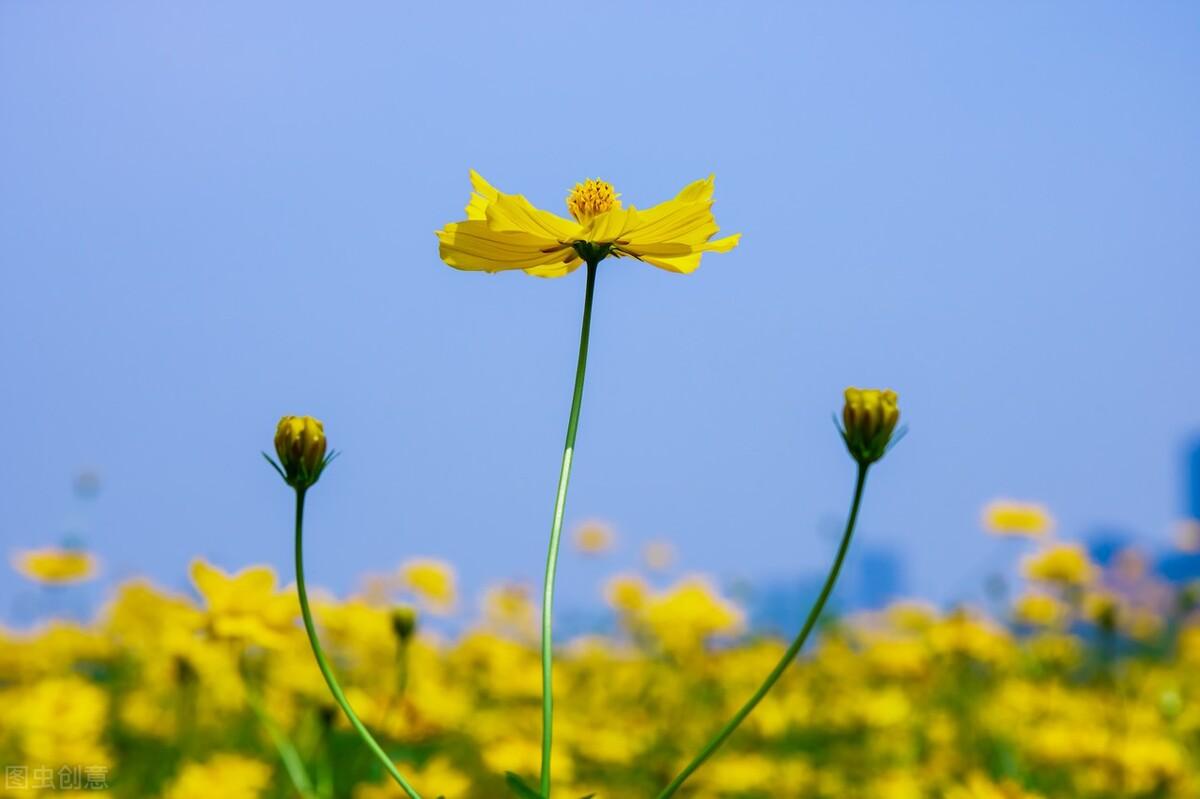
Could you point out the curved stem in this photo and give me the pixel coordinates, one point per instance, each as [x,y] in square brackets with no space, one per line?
[788,656]
[323,664]
[560,502]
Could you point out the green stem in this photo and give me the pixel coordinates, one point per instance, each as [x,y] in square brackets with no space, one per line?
[788,656]
[560,502]
[323,664]
[292,762]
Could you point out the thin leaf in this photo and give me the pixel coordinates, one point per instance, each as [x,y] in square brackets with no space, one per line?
[519,787]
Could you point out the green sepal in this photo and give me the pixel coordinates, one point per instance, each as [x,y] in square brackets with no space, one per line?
[519,788]
[275,466]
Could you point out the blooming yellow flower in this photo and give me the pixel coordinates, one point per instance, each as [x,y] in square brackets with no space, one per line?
[245,606]
[54,565]
[505,231]
[230,776]
[870,417]
[431,580]
[1011,518]
[594,537]
[1067,564]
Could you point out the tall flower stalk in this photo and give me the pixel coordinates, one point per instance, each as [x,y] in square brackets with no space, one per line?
[560,503]
[869,419]
[300,445]
[506,232]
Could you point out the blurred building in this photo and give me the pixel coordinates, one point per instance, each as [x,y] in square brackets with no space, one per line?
[1183,565]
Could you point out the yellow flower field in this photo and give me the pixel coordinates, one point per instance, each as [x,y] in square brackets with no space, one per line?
[1071,691]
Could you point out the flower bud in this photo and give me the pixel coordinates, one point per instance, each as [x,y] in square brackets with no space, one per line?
[300,444]
[404,622]
[870,418]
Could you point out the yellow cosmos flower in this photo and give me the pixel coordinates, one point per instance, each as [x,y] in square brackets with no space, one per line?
[232,776]
[505,231]
[245,606]
[1006,517]
[1040,610]
[432,581]
[55,566]
[1067,564]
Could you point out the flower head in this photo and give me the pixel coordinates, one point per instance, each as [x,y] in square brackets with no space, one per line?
[1010,518]
[1065,564]
[245,606]
[300,445]
[404,622]
[430,580]
[55,565]
[870,417]
[594,538]
[505,231]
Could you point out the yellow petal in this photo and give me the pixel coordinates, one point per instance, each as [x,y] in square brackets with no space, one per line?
[513,212]
[557,270]
[473,245]
[208,580]
[610,225]
[684,264]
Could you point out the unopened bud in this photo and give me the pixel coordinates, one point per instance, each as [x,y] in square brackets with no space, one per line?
[870,417]
[300,444]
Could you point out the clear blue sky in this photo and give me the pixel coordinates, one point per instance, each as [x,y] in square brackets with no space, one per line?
[213,214]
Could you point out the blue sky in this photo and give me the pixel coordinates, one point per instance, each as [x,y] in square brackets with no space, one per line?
[214,214]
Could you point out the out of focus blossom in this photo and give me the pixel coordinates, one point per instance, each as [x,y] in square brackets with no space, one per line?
[229,776]
[432,581]
[247,606]
[55,565]
[594,537]
[1006,517]
[1064,564]
[658,555]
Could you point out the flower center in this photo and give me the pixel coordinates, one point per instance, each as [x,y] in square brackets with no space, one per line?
[590,199]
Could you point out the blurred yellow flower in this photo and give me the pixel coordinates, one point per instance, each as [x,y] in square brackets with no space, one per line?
[594,537]
[626,593]
[54,565]
[689,613]
[1008,517]
[433,581]
[1102,608]
[246,606]
[658,555]
[439,773]
[509,607]
[229,776]
[1065,564]
[504,231]
[1040,610]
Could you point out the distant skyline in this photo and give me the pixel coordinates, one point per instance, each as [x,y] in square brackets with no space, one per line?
[212,215]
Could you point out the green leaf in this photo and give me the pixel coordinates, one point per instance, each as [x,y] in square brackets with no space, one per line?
[519,787]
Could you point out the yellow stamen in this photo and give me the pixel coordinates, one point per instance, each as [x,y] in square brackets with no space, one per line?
[590,199]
